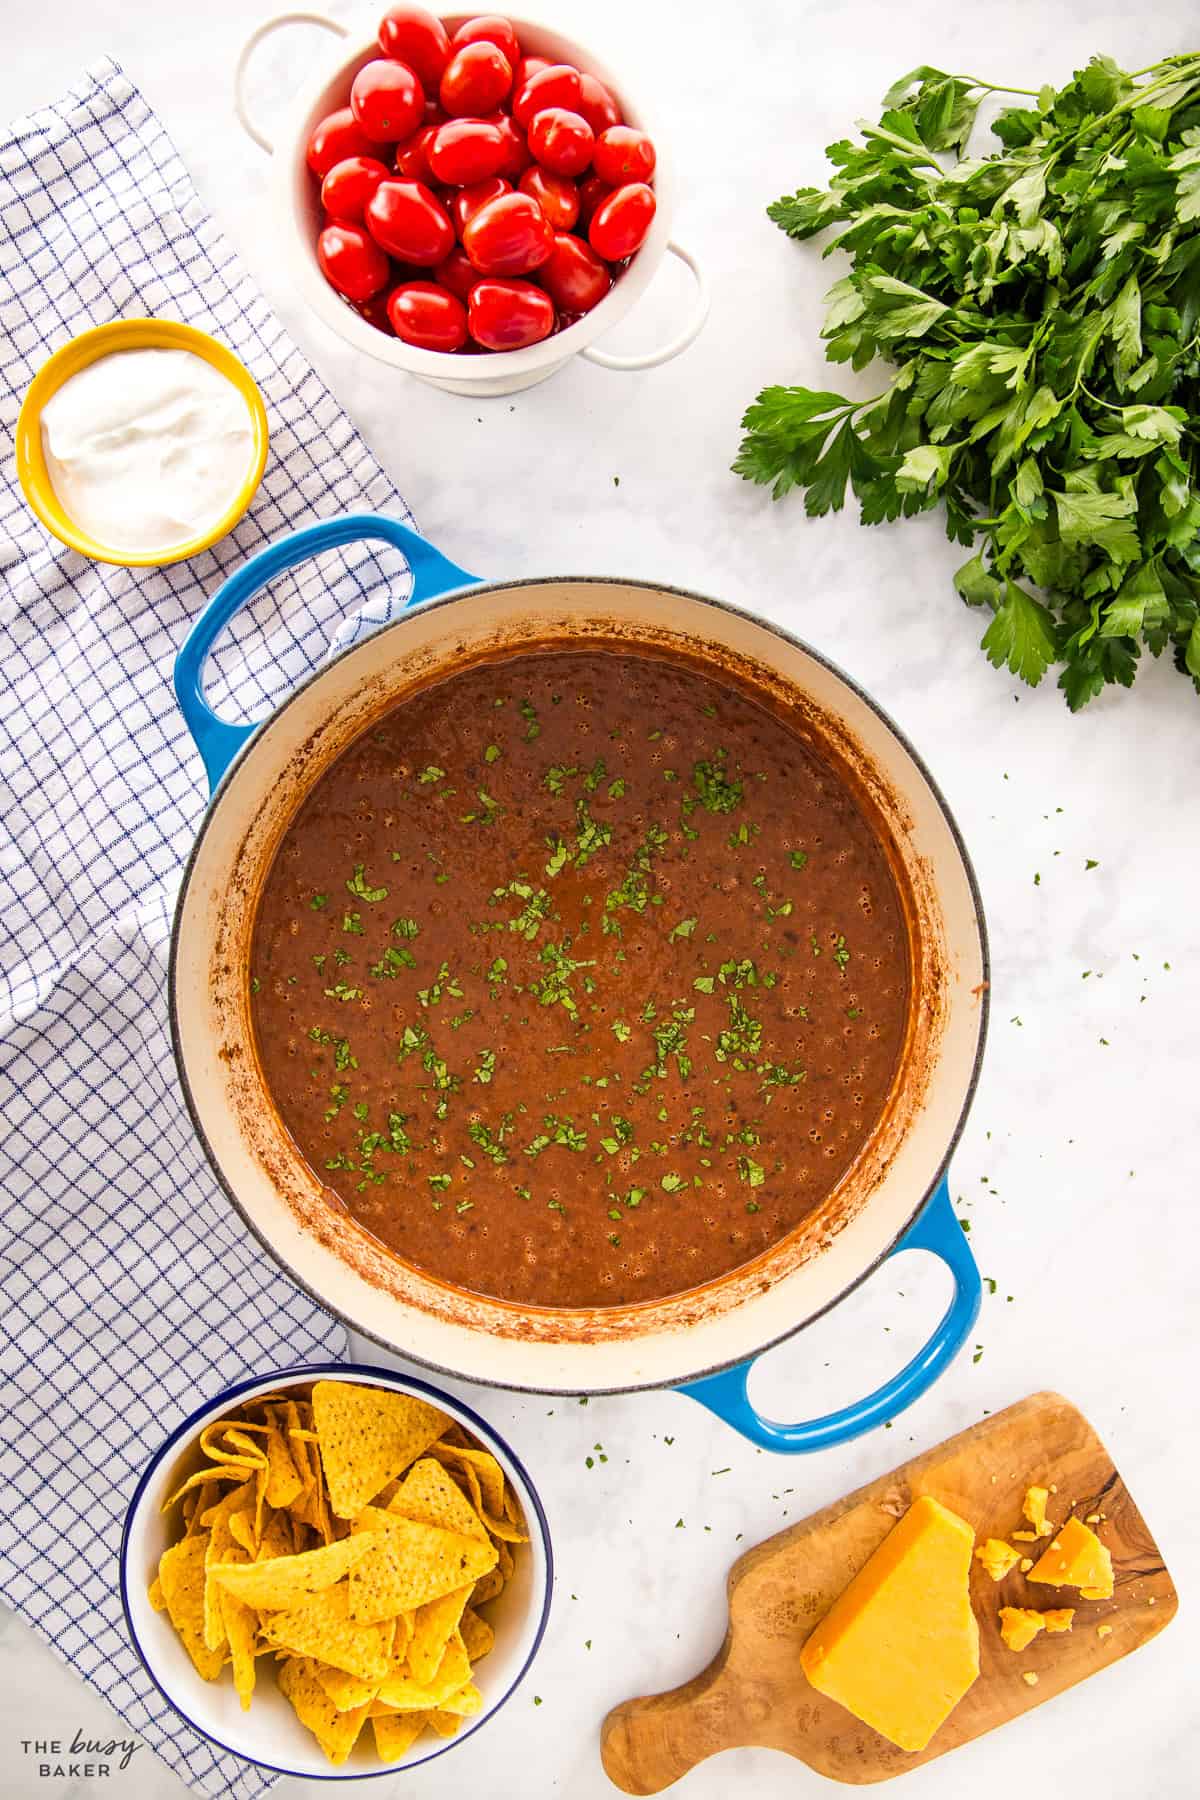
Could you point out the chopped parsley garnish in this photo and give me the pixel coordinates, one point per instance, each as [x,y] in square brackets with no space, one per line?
[716,792]
[340,991]
[362,889]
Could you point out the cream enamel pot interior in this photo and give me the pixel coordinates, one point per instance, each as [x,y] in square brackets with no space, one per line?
[296,210]
[893,1197]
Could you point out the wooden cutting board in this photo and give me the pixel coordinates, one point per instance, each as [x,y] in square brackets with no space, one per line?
[754,1691]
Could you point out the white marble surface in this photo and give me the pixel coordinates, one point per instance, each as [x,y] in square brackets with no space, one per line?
[1078,1170]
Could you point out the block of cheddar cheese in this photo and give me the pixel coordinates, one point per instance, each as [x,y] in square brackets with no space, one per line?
[900,1647]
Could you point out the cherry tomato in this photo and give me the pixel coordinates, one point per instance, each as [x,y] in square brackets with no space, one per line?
[597,104]
[458,273]
[333,139]
[557,196]
[516,150]
[528,65]
[620,223]
[413,36]
[387,100]
[375,312]
[574,276]
[412,156]
[508,236]
[555,85]
[591,192]
[351,262]
[561,140]
[468,200]
[475,80]
[466,150]
[622,155]
[507,315]
[490,28]
[429,316]
[407,221]
[349,185]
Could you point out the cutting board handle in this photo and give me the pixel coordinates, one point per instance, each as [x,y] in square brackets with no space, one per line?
[936,1228]
[647,1744]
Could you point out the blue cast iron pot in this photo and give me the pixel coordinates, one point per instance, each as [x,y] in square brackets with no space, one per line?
[894,1197]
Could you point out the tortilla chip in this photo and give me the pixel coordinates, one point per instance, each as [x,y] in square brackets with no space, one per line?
[433,1625]
[403,1638]
[240,1623]
[367,1436]
[504,1557]
[487,1470]
[477,1634]
[429,1495]
[278,1536]
[245,1455]
[346,1691]
[241,1530]
[335,1731]
[453,1672]
[322,1629]
[220,1548]
[181,1582]
[222,1472]
[504,1529]
[282,1583]
[465,1704]
[409,1564]
[284,1481]
[444,1723]
[396,1732]
[487,1587]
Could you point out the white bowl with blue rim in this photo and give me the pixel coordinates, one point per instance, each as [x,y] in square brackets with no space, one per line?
[270,1734]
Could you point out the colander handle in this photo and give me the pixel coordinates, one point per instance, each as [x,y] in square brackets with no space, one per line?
[936,1229]
[219,740]
[650,359]
[267,29]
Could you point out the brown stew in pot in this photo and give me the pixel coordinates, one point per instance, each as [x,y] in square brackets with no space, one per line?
[579,979]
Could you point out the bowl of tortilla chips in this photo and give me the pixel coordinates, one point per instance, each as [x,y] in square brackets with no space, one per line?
[336,1571]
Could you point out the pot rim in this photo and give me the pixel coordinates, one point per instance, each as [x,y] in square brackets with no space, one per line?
[455,597]
[432,365]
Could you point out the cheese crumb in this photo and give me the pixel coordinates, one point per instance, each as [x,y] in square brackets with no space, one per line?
[1059,1618]
[1019,1625]
[1034,1508]
[1030,1678]
[1026,1564]
[997,1557]
[1104,1631]
[1092,1519]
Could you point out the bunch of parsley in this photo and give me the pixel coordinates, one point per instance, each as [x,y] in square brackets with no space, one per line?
[1041,307]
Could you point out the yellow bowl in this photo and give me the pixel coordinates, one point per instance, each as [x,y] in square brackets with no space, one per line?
[88,347]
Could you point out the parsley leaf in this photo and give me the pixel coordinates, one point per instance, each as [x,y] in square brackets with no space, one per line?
[1032,314]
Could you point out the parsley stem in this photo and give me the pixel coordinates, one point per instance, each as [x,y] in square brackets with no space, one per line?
[994,87]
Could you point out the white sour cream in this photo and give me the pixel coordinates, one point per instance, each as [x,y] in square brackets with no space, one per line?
[147,449]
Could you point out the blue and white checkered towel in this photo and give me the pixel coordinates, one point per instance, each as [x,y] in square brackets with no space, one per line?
[129,1290]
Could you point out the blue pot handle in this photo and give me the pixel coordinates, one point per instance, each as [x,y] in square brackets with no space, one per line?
[936,1229]
[217,739]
